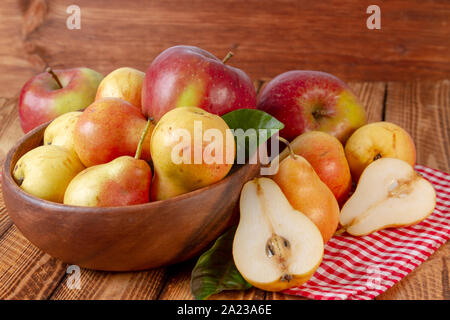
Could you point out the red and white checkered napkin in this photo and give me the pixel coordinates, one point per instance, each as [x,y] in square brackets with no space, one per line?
[364,267]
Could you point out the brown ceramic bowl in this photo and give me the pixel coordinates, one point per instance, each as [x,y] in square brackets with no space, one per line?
[123,238]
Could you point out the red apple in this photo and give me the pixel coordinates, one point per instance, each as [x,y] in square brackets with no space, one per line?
[189,76]
[46,96]
[312,100]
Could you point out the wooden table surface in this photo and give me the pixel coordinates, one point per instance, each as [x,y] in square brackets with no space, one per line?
[421,107]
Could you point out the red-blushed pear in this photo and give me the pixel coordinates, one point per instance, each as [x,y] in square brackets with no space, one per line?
[123,181]
[186,76]
[312,100]
[124,83]
[110,128]
[308,194]
[55,92]
[326,155]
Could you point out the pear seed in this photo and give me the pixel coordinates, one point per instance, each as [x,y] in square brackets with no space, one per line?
[279,248]
[286,277]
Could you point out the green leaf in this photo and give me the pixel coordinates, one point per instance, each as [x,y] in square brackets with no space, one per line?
[215,270]
[262,123]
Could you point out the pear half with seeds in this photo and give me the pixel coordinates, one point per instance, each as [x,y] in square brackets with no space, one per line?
[389,194]
[275,246]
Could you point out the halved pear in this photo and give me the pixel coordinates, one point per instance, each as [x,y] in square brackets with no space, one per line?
[389,194]
[275,247]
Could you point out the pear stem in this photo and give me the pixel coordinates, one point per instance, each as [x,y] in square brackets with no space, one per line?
[53,74]
[339,231]
[291,152]
[141,141]
[227,57]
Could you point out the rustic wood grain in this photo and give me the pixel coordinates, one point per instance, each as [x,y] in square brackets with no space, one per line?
[5,221]
[177,286]
[268,37]
[372,95]
[25,271]
[10,130]
[96,285]
[423,109]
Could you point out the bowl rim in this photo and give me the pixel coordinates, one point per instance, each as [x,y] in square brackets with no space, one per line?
[8,179]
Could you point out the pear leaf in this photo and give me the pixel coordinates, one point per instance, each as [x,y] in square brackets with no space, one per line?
[256,125]
[215,270]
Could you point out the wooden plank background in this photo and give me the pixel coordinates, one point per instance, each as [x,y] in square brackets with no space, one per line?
[421,107]
[268,36]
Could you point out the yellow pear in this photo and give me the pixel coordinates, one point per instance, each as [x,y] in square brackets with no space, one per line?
[190,149]
[378,140]
[124,83]
[60,131]
[46,171]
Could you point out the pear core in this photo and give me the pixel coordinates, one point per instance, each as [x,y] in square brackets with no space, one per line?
[275,247]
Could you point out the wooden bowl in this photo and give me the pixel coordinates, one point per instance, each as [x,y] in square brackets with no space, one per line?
[123,238]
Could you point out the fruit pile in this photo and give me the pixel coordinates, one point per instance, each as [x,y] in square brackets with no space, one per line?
[124,148]
[87,156]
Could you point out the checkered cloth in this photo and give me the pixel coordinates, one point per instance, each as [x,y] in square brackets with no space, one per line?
[364,267]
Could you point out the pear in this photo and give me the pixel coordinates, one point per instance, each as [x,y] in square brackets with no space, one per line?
[389,194]
[275,247]
[120,182]
[46,171]
[60,131]
[308,194]
[184,157]
[109,128]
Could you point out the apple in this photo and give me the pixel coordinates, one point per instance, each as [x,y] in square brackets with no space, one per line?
[186,76]
[123,83]
[312,100]
[378,140]
[55,92]
[326,155]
